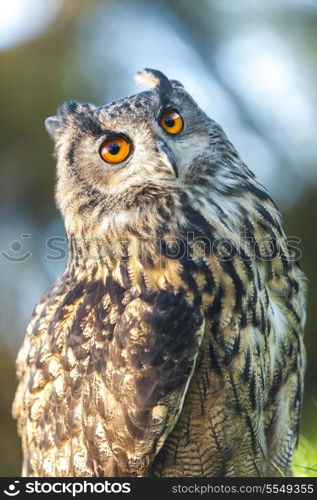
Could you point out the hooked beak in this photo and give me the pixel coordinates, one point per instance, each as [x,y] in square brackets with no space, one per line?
[167,156]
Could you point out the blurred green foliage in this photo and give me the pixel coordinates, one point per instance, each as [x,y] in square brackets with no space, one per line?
[305,458]
[10,456]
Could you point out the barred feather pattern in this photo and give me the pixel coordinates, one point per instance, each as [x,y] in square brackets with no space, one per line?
[169,347]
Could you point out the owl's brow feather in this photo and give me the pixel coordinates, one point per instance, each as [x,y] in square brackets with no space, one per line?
[88,124]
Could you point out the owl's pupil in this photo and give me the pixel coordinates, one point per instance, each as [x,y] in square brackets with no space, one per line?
[169,121]
[114,149]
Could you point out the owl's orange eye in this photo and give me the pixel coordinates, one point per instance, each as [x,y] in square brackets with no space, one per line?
[171,121]
[115,150]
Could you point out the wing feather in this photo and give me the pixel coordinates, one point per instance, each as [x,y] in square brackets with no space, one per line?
[102,378]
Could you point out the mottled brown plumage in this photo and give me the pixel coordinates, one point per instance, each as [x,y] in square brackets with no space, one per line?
[172,344]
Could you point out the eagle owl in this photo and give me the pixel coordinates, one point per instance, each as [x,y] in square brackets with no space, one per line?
[172,344]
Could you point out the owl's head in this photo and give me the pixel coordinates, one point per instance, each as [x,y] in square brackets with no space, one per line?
[127,154]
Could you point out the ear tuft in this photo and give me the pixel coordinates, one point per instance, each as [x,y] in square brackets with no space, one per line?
[55,124]
[177,84]
[52,125]
[152,78]
[146,79]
